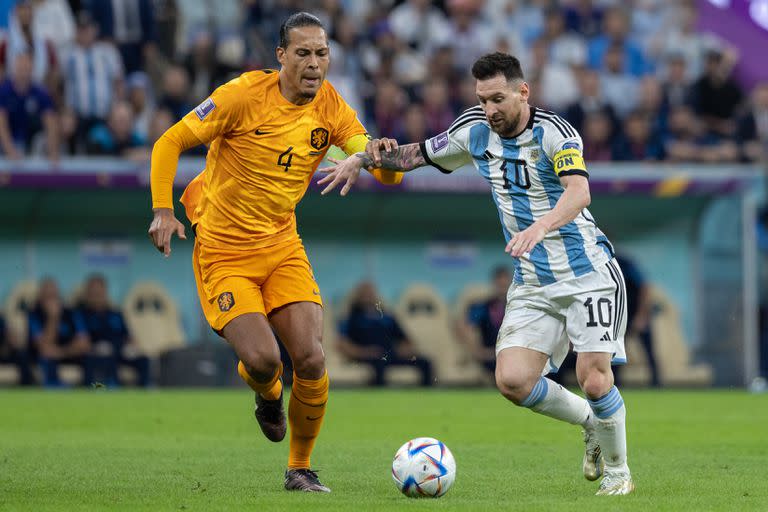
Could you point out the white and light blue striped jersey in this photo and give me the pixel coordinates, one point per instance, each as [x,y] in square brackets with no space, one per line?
[525,186]
[90,75]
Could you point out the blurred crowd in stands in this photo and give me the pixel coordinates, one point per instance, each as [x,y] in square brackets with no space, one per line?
[635,77]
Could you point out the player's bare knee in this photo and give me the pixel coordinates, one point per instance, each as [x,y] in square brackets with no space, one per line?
[310,363]
[261,363]
[514,387]
[596,383]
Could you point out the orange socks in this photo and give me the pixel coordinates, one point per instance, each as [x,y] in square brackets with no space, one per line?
[269,390]
[305,416]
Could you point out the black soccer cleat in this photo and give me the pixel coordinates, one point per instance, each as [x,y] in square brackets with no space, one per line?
[271,417]
[303,480]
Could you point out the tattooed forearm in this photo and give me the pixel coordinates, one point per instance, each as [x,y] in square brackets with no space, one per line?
[404,158]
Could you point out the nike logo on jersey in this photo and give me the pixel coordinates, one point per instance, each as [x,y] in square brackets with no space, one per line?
[260,132]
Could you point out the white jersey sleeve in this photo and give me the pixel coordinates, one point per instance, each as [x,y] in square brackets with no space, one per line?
[562,144]
[450,150]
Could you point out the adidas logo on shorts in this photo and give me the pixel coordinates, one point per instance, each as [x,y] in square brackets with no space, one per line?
[606,337]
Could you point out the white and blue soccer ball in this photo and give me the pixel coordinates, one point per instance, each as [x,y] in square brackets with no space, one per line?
[424,467]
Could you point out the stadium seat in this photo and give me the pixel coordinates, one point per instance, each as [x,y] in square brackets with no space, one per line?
[671,348]
[17,305]
[425,318]
[18,302]
[152,317]
[395,375]
[471,294]
[340,371]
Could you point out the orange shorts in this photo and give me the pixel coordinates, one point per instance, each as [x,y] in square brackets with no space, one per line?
[232,283]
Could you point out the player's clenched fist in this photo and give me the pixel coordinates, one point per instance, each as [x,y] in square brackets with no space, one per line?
[163,226]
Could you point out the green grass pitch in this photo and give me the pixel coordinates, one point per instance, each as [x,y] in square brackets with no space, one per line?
[202,450]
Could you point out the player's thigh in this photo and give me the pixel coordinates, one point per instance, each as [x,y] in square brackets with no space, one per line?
[250,335]
[299,326]
[530,322]
[290,278]
[227,286]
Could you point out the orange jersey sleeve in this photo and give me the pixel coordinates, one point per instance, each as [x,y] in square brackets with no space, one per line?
[263,153]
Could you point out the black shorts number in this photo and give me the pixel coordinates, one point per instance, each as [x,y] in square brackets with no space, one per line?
[604,312]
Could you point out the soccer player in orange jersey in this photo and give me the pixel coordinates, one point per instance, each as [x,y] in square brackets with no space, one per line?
[267,131]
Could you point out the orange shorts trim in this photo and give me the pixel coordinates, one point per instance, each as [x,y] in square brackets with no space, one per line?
[232,283]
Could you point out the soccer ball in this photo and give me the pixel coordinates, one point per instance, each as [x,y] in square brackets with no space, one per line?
[423,467]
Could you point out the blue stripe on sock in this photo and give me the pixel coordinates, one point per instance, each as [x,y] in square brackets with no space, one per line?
[538,393]
[608,404]
[612,411]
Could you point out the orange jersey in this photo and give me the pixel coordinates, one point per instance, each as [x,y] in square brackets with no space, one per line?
[263,153]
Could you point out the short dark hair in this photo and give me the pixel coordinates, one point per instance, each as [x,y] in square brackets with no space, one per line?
[299,19]
[497,63]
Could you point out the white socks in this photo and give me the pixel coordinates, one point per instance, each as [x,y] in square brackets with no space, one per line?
[553,400]
[611,430]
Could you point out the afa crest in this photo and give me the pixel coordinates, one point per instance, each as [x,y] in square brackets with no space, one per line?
[226,300]
[319,138]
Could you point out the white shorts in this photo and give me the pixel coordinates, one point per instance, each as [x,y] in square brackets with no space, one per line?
[588,311]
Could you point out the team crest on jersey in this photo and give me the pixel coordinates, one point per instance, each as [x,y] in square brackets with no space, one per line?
[226,300]
[535,154]
[205,108]
[319,138]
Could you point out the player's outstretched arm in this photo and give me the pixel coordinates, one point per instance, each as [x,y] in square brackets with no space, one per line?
[403,158]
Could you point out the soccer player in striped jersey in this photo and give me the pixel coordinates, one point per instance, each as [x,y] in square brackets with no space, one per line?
[567,284]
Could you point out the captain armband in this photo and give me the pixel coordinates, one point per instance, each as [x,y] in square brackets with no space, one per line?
[569,162]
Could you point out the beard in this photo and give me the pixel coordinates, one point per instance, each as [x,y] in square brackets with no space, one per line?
[506,128]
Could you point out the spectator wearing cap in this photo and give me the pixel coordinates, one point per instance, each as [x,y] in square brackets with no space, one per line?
[25,110]
[93,74]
